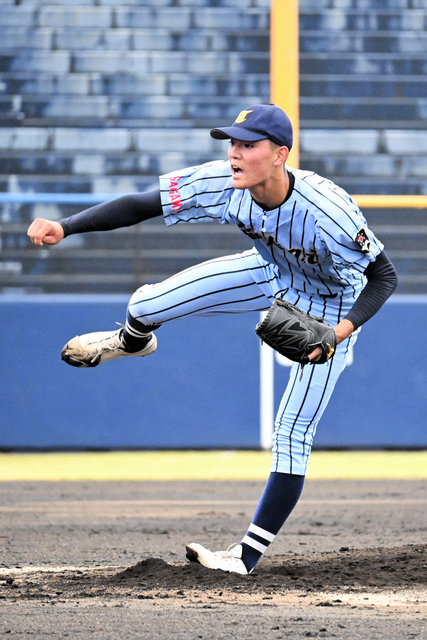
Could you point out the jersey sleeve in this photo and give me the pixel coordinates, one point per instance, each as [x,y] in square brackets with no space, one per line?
[196,194]
[347,237]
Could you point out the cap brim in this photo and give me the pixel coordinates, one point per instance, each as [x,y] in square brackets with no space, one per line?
[239,133]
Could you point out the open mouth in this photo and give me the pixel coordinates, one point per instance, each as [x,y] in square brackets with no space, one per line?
[236,170]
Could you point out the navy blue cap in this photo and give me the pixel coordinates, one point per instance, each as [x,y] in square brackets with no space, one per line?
[259,122]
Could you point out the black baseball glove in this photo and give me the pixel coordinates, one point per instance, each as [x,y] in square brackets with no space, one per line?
[296,334]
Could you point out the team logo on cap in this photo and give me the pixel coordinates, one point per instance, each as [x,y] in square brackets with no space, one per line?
[242,116]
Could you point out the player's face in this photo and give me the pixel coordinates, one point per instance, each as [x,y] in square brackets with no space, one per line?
[252,163]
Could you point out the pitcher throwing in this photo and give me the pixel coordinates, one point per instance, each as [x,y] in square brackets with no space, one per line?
[312,248]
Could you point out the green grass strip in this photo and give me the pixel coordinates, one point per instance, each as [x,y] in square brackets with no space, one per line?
[205,465]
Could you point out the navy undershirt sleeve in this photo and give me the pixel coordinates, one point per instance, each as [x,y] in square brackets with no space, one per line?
[121,212]
[382,281]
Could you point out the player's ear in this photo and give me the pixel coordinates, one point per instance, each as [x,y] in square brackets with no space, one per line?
[282,155]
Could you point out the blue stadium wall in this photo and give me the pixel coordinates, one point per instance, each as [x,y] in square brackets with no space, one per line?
[201,388]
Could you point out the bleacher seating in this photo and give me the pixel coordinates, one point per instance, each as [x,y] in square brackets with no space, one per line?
[102,97]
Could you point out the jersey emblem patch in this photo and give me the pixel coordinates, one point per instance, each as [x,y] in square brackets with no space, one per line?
[242,116]
[362,240]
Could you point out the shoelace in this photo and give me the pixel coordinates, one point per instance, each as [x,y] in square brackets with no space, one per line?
[228,553]
[109,344]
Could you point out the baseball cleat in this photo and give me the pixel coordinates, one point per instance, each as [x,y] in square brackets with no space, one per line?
[229,560]
[93,349]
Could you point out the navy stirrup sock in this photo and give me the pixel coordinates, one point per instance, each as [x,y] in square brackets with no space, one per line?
[280,496]
[136,334]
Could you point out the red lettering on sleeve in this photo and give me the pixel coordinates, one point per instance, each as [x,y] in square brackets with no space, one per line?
[174,196]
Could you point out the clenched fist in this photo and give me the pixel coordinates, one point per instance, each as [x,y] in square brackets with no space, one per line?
[43,231]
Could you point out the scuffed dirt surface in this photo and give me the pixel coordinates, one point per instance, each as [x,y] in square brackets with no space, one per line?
[349,570]
[106,560]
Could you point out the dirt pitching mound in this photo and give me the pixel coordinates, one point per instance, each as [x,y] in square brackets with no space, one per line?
[347,571]
[381,568]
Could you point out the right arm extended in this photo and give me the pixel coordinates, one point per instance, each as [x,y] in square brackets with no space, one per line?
[121,212]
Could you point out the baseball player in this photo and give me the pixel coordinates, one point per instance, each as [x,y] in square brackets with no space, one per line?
[312,248]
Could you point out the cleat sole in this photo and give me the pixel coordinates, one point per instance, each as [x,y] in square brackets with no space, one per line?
[191,555]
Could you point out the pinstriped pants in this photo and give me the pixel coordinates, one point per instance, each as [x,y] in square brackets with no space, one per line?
[242,283]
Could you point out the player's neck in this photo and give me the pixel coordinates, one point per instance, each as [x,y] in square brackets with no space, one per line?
[272,193]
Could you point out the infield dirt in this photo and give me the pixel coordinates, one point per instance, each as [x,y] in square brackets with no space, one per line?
[107,560]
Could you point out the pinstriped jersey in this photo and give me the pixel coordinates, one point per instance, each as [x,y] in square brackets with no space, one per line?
[318,237]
